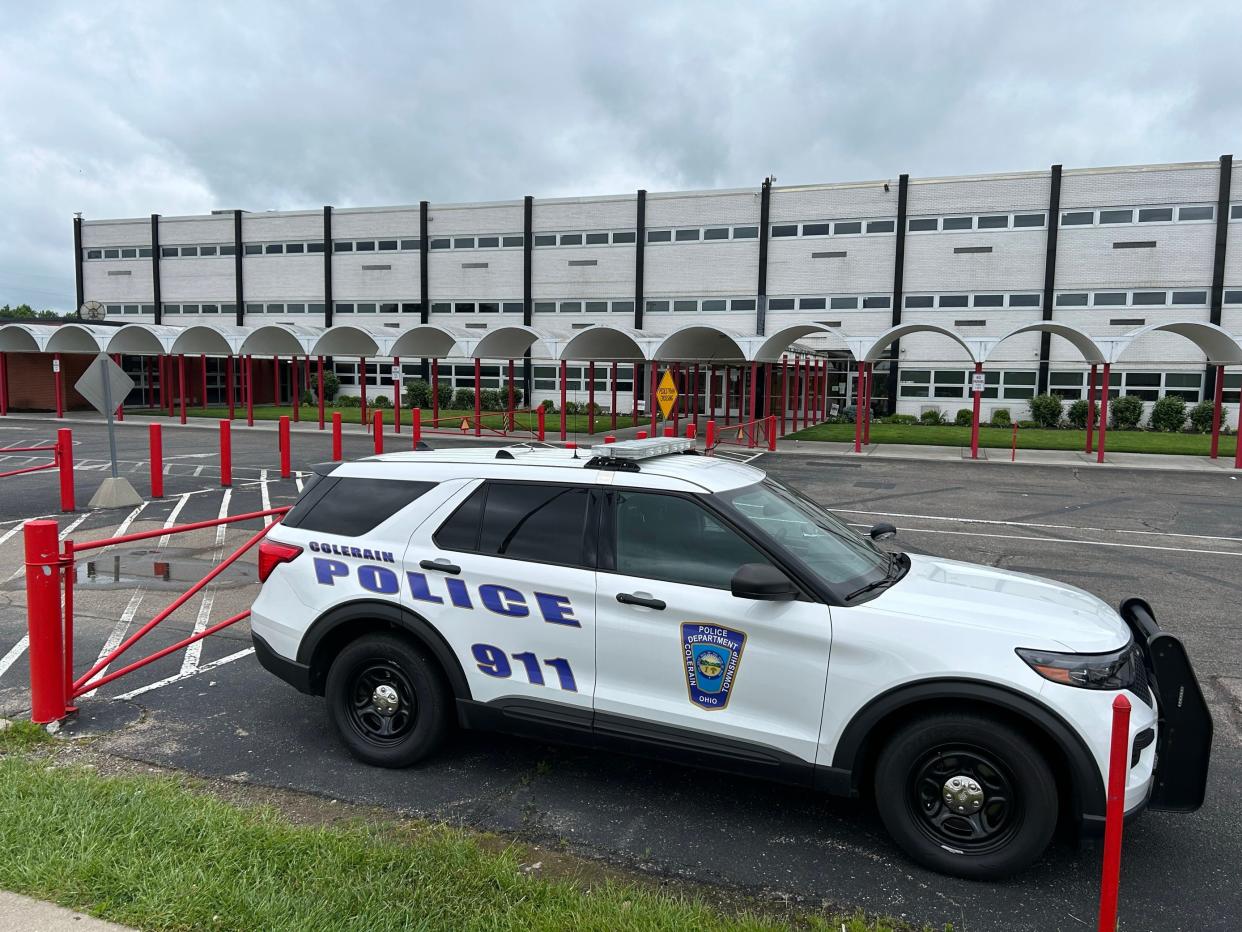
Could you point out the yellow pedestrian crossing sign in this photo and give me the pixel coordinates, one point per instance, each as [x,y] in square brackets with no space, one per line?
[666,394]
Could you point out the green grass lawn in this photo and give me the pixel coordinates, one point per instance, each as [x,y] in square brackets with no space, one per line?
[153,853]
[449,418]
[1029,438]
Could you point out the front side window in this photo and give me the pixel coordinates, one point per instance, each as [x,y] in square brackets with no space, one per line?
[677,540]
[352,506]
[521,521]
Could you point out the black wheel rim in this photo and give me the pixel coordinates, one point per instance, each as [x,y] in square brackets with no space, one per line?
[372,712]
[985,826]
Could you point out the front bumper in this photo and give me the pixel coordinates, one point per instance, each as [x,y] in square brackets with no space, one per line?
[1184,732]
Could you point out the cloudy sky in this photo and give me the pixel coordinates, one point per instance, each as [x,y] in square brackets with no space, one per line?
[128,109]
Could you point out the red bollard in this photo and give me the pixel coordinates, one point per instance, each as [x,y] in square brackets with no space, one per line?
[1115,813]
[336,436]
[609,438]
[377,431]
[710,440]
[284,447]
[416,425]
[692,430]
[64,459]
[1013,450]
[641,435]
[44,622]
[668,432]
[155,434]
[771,419]
[540,419]
[226,454]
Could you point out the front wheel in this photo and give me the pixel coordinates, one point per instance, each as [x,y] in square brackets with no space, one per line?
[388,701]
[966,795]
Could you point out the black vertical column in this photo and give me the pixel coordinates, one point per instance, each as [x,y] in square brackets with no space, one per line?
[528,288]
[157,293]
[77,267]
[761,303]
[239,292]
[640,245]
[327,267]
[1050,275]
[1217,298]
[899,287]
[424,253]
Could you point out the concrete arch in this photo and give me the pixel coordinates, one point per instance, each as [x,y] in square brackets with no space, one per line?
[77,338]
[430,341]
[608,343]
[508,342]
[1220,348]
[21,338]
[202,339]
[351,340]
[778,343]
[280,340]
[701,343]
[143,339]
[884,340]
[1091,351]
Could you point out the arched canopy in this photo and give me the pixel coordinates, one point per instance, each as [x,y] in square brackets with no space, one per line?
[1217,345]
[210,340]
[1090,350]
[429,340]
[351,340]
[772,347]
[280,340]
[143,339]
[884,340]
[507,342]
[606,342]
[20,338]
[701,343]
[77,338]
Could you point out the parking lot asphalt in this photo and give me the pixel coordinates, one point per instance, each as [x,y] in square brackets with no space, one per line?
[1173,539]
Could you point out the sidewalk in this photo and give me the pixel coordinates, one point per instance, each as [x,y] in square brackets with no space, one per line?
[22,914]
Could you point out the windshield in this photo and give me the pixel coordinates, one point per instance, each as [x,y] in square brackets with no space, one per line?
[834,552]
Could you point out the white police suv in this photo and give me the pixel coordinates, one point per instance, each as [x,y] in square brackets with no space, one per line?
[640,598]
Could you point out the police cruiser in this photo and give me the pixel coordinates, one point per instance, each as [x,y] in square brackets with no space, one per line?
[639,598]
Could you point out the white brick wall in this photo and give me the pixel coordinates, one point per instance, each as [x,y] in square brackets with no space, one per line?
[1016,262]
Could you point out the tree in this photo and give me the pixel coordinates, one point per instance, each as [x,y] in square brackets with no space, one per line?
[26,312]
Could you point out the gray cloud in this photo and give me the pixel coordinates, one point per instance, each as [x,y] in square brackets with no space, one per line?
[127,109]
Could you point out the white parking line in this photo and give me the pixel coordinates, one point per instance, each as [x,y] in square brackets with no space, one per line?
[168,681]
[194,652]
[267,499]
[119,630]
[14,652]
[172,519]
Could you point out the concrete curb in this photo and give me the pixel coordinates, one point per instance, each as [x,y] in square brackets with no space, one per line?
[23,914]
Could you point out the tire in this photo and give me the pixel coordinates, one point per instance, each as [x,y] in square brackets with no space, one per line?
[388,701]
[985,835]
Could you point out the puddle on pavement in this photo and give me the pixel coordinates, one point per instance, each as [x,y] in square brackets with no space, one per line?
[157,569]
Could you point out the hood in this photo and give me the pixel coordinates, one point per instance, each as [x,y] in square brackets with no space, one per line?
[970,595]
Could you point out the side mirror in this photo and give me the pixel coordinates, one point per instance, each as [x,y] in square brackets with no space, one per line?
[764,582]
[883,531]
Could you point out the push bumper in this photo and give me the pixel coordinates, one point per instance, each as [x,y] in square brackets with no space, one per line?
[1184,733]
[295,674]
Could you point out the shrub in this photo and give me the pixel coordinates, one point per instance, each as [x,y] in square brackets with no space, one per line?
[463,399]
[348,401]
[518,396]
[1201,417]
[489,399]
[931,416]
[308,399]
[1169,413]
[444,395]
[900,419]
[1046,410]
[1027,425]
[548,405]
[381,401]
[964,418]
[1077,414]
[417,394]
[331,385]
[1124,413]
[1001,418]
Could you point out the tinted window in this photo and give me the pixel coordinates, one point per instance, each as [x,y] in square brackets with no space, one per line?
[993,223]
[687,235]
[923,224]
[716,233]
[1116,216]
[1077,218]
[876,301]
[785,230]
[1195,213]
[778,304]
[745,232]
[881,226]
[844,304]
[1024,300]
[351,507]
[1155,214]
[293,248]
[1189,297]
[1150,297]
[384,244]
[989,300]
[675,539]
[659,236]
[816,229]
[852,226]
[1028,220]
[595,239]
[623,236]
[1072,300]
[1109,298]
[953,300]
[811,304]
[543,523]
[463,242]
[920,300]
[545,239]
[271,249]
[959,223]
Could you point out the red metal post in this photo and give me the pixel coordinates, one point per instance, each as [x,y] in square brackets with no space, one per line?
[250,391]
[976,394]
[858,406]
[724,395]
[416,426]
[284,446]
[44,622]
[591,397]
[641,435]
[1218,398]
[694,397]
[64,459]
[228,383]
[226,453]
[510,406]
[377,429]
[156,439]
[564,376]
[336,436]
[1115,815]
[691,430]
[4,384]
[295,396]
[276,381]
[612,380]
[709,439]
[1237,453]
[609,438]
[651,397]
[120,405]
[181,383]
[767,389]
[202,365]
[1103,412]
[784,391]
[754,379]
[867,403]
[58,386]
[806,392]
[478,397]
[771,419]
[1091,410]
[541,421]
[319,372]
[668,432]
[1013,446]
[636,378]
[362,381]
[435,391]
[396,394]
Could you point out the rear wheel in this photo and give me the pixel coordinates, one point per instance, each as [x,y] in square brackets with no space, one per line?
[388,701]
[967,795]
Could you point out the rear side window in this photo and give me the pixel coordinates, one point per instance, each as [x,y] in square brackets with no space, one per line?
[351,506]
[521,521]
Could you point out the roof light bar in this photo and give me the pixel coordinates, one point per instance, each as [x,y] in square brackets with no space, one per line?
[643,449]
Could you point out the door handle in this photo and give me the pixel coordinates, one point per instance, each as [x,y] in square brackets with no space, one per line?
[628,598]
[440,566]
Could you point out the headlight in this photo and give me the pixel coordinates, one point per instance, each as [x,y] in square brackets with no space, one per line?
[1115,670]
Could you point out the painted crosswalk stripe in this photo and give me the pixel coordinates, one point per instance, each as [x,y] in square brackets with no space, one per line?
[168,681]
[194,652]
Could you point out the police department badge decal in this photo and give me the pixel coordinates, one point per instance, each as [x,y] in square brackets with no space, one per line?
[711,656]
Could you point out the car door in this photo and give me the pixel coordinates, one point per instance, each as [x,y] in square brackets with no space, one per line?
[677,650]
[507,571]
